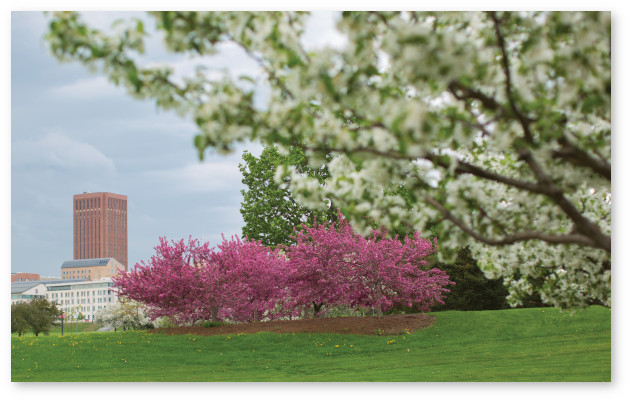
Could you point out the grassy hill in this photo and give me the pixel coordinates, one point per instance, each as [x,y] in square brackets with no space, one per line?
[541,344]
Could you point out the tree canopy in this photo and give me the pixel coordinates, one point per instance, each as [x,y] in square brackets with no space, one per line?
[328,266]
[498,124]
[269,209]
[38,315]
[125,314]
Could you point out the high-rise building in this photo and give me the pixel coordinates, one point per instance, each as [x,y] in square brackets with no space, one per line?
[100,226]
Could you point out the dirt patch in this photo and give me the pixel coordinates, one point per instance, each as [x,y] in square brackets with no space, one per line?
[387,325]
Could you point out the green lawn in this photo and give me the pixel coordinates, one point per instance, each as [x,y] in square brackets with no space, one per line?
[74,327]
[508,345]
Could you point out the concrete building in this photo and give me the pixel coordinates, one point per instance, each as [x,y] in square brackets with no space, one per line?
[24,291]
[71,296]
[100,226]
[90,269]
[86,297]
[51,278]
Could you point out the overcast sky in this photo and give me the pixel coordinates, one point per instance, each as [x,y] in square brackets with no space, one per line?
[72,132]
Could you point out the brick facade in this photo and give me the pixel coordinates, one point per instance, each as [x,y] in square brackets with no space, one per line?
[90,269]
[15,277]
[100,226]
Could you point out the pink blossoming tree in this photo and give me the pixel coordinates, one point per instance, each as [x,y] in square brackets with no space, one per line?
[241,280]
[333,265]
[255,279]
[390,272]
[321,272]
[174,282]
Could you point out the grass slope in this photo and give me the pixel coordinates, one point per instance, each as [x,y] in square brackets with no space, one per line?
[541,344]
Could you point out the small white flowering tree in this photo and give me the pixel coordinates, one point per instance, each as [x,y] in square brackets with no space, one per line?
[497,124]
[125,315]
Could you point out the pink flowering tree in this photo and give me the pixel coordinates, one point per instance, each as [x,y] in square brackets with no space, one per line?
[255,279]
[392,272]
[241,280]
[175,282]
[333,265]
[321,272]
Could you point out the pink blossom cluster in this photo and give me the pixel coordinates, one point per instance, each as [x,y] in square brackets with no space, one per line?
[240,280]
[333,266]
[243,280]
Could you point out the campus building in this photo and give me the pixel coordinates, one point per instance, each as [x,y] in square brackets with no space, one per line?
[72,296]
[100,226]
[85,297]
[24,291]
[25,277]
[90,269]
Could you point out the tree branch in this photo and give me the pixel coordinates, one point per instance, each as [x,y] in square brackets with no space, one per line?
[578,157]
[549,188]
[462,92]
[573,238]
[508,79]
[462,167]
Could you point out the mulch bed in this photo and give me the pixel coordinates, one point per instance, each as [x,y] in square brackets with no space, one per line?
[369,325]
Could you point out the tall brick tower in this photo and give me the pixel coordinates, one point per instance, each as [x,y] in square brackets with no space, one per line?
[100,226]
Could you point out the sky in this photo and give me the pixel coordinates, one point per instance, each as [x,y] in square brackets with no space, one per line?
[74,132]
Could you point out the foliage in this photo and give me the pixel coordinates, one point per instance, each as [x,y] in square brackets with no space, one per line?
[208,324]
[269,210]
[19,313]
[37,316]
[125,314]
[497,123]
[473,290]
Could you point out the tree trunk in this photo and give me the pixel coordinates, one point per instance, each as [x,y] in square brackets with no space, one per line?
[214,311]
[255,315]
[379,310]
[317,308]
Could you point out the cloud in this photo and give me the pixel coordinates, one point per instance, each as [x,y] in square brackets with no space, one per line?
[87,89]
[165,123]
[199,177]
[56,150]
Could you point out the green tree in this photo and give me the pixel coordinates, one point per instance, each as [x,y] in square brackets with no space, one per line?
[498,124]
[269,209]
[37,316]
[43,314]
[19,314]
[472,290]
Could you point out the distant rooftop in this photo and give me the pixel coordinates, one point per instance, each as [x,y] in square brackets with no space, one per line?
[87,262]
[21,286]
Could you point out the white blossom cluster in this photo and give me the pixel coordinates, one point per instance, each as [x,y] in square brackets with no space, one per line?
[497,125]
[128,314]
